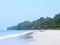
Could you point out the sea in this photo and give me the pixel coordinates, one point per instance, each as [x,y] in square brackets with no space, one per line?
[10,37]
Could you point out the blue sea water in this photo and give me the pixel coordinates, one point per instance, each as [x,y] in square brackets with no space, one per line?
[9,32]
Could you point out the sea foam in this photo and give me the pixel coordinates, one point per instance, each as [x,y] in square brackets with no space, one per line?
[13,35]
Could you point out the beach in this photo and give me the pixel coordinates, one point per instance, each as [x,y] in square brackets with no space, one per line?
[13,39]
[37,37]
[47,37]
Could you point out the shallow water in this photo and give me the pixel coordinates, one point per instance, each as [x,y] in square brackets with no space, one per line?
[12,40]
[9,32]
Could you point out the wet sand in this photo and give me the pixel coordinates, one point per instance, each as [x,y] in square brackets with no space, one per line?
[12,39]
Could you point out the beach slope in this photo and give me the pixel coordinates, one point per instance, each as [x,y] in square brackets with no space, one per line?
[47,37]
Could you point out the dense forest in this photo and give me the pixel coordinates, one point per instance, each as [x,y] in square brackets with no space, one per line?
[42,23]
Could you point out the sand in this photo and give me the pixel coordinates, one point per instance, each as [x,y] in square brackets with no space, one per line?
[47,37]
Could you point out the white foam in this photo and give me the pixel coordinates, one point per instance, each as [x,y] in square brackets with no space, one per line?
[13,35]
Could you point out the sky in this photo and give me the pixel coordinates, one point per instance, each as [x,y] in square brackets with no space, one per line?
[13,12]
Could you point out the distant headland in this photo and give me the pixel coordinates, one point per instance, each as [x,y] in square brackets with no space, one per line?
[42,23]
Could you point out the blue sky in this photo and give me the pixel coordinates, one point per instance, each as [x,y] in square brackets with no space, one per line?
[13,12]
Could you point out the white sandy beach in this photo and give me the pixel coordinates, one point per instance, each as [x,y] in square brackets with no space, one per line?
[48,37]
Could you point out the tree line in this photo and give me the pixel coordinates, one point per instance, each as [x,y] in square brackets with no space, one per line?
[41,23]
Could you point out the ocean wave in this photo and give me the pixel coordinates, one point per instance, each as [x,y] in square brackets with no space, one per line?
[13,35]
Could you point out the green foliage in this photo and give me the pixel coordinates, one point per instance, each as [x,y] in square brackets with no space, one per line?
[42,23]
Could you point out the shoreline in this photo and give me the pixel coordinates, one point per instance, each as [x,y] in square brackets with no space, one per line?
[40,37]
[14,35]
[24,33]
